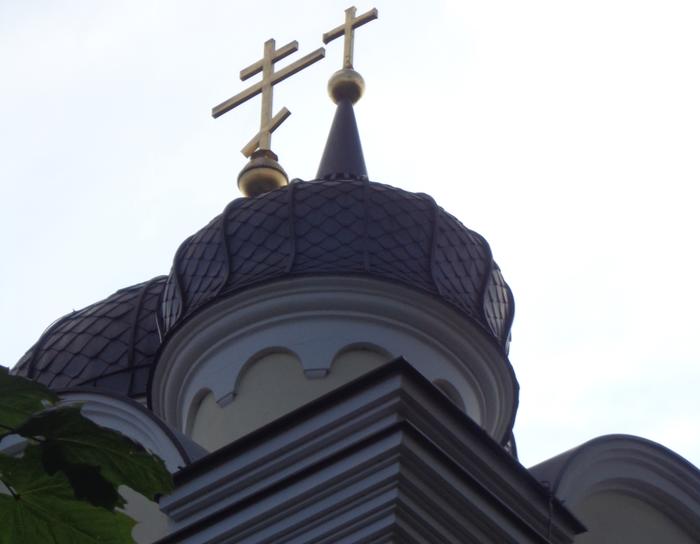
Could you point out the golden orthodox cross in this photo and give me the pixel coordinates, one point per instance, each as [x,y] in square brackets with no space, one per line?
[347,30]
[268,123]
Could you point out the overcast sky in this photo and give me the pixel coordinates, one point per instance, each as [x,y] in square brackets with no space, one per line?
[567,133]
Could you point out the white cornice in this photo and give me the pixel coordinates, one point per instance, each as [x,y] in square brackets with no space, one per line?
[133,420]
[633,466]
[331,313]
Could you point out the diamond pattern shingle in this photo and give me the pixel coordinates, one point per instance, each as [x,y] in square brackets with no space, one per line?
[341,227]
[333,226]
[111,343]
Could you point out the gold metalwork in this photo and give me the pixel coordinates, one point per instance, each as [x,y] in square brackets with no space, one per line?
[257,140]
[262,174]
[268,123]
[347,30]
[347,83]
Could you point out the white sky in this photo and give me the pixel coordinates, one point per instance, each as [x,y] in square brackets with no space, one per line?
[567,133]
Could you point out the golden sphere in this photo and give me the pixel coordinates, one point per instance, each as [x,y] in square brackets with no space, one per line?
[346,84]
[262,174]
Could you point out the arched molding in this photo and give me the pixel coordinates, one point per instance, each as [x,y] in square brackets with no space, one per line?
[630,466]
[374,348]
[317,318]
[240,372]
[450,392]
[196,403]
[269,388]
[135,421]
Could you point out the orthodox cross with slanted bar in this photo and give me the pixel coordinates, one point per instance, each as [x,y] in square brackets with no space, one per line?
[347,30]
[268,123]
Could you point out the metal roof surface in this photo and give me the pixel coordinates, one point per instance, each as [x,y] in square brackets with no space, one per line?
[333,226]
[340,226]
[110,344]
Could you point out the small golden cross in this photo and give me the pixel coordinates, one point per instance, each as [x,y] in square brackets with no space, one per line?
[347,30]
[268,123]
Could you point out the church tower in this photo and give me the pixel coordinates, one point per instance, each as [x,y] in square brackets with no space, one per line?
[327,360]
[300,288]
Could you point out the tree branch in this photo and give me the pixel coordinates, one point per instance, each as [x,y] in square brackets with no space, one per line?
[8,428]
[9,488]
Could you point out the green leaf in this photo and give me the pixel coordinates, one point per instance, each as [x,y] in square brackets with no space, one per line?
[19,399]
[86,480]
[22,471]
[75,440]
[44,510]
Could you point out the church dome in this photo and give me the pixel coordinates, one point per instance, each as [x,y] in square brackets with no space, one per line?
[340,227]
[110,345]
[341,224]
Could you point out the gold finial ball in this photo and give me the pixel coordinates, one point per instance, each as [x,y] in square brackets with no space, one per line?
[262,174]
[346,84]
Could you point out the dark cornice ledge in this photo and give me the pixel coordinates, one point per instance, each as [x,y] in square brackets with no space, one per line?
[387,455]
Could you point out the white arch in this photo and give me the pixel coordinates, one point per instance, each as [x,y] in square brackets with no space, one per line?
[627,466]
[316,318]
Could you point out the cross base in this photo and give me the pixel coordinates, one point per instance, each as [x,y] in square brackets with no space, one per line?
[262,174]
[346,84]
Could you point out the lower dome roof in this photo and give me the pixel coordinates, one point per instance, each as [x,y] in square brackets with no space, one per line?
[110,344]
[338,227]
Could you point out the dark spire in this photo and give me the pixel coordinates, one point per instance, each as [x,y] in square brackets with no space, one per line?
[343,154]
[343,157]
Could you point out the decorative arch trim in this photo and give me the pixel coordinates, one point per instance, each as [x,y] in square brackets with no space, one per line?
[316,319]
[632,466]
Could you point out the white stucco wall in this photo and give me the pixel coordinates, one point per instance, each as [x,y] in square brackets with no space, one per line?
[270,387]
[627,489]
[273,348]
[615,518]
[151,523]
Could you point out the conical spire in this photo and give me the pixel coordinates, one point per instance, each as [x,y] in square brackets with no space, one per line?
[343,154]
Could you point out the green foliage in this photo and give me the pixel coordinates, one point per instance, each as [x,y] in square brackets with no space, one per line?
[19,399]
[45,510]
[63,489]
[71,441]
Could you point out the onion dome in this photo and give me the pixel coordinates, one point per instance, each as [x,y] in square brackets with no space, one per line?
[340,224]
[342,227]
[110,345]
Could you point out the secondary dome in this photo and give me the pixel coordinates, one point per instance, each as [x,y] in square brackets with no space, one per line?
[110,344]
[341,227]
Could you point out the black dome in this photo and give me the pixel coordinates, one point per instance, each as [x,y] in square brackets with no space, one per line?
[110,344]
[340,226]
